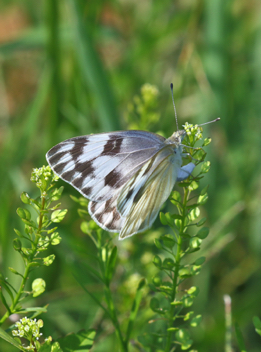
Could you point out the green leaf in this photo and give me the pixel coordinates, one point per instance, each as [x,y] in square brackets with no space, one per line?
[204,190]
[169,219]
[157,261]
[10,339]
[205,167]
[176,216]
[81,200]
[163,219]
[201,222]
[195,242]
[193,186]
[187,301]
[56,347]
[194,214]
[25,198]
[38,287]
[24,214]
[30,223]
[26,252]
[203,233]
[18,233]
[185,184]
[80,342]
[156,281]
[56,193]
[35,310]
[158,243]
[200,261]
[176,303]
[85,227]
[178,223]
[175,197]
[2,298]
[58,215]
[111,264]
[166,288]
[14,271]
[46,347]
[184,272]
[172,329]
[17,244]
[82,213]
[184,339]
[206,142]
[188,316]
[168,241]
[55,239]
[56,206]
[48,260]
[195,321]
[4,284]
[51,230]
[193,291]
[168,263]
[257,324]
[202,199]
[200,154]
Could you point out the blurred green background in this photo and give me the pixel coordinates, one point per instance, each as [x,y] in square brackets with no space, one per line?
[72,67]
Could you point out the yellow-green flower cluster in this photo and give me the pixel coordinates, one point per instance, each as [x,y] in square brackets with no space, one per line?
[43,177]
[28,328]
[149,93]
[193,130]
[142,112]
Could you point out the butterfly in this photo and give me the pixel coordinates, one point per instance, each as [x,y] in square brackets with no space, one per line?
[126,175]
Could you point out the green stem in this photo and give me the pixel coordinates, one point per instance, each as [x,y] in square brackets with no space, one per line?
[111,308]
[176,272]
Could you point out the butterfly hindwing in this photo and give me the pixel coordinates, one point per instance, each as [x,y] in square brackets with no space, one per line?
[99,165]
[105,214]
[142,197]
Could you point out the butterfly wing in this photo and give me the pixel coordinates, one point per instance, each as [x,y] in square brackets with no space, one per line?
[141,198]
[99,165]
[106,215]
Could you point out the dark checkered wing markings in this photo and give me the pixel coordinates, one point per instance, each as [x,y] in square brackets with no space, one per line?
[105,214]
[97,168]
[148,201]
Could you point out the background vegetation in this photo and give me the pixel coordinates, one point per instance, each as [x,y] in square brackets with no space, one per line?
[72,67]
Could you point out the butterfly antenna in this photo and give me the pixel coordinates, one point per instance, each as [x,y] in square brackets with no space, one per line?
[176,117]
[206,123]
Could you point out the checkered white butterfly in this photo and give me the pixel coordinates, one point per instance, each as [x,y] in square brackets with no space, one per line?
[127,175]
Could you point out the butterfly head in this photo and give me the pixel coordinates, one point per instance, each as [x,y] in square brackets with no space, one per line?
[176,138]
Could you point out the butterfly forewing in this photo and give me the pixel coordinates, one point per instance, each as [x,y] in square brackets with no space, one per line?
[99,165]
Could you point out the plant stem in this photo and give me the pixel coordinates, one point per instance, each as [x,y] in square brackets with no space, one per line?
[111,308]
[176,271]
